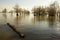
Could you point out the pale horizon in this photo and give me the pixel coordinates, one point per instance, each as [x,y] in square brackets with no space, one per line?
[27,4]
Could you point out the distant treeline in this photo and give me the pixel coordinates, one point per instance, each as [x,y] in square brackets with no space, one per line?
[51,10]
[16,9]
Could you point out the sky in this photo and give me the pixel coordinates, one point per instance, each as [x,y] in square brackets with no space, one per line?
[28,4]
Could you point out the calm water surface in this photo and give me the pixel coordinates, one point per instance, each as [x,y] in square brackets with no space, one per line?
[34,27]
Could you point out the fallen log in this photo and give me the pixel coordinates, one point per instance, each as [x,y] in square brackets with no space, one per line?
[14,29]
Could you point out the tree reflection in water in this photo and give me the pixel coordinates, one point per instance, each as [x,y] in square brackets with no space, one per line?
[17,20]
[38,19]
[5,17]
[51,21]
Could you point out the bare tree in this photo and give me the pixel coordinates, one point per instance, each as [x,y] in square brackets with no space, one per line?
[4,10]
[52,9]
[38,11]
[16,9]
[26,11]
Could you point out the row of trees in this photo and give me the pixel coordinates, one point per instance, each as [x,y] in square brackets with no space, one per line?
[16,9]
[37,11]
[51,10]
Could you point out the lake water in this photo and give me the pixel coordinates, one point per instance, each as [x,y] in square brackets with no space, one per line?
[33,27]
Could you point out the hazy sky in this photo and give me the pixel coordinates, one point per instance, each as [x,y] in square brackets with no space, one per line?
[25,3]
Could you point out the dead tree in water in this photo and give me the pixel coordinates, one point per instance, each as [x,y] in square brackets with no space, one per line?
[16,8]
[4,10]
